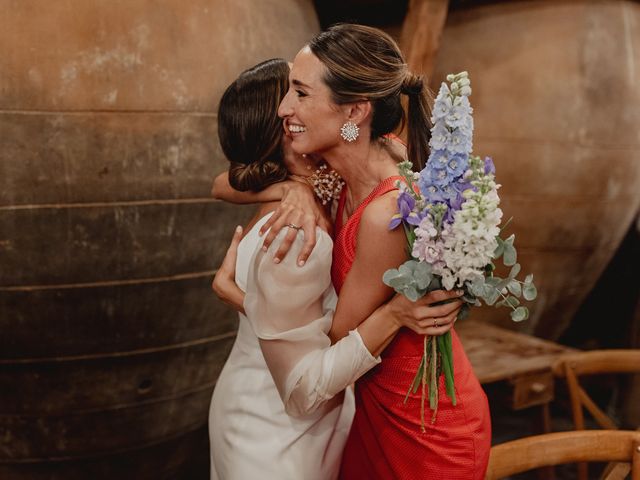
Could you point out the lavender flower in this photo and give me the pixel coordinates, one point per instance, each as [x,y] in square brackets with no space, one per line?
[406,211]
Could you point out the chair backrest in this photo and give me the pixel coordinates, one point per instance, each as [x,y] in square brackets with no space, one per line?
[565,447]
[573,365]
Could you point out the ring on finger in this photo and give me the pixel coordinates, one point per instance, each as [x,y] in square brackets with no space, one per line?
[293,225]
[435,323]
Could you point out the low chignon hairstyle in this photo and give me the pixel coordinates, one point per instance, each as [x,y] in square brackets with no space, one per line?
[249,128]
[366,63]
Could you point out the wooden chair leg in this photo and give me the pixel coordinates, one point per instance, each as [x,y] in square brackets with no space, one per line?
[545,473]
[576,410]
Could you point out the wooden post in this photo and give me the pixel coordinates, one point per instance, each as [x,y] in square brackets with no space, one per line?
[421,32]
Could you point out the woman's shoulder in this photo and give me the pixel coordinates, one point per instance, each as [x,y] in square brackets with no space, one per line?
[378,212]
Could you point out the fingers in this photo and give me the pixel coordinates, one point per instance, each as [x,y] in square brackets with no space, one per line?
[437,311]
[287,241]
[309,228]
[232,252]
[307,223]
[269,223]
[436,296]
[276,225]
[228,266]
[235,240]
[436,325]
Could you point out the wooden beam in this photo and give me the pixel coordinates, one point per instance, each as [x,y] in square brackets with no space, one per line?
[421,32]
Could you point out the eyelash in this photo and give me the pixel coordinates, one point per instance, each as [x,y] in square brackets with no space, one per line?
[301,93]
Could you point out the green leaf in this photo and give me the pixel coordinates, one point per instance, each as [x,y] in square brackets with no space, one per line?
[447,366]
[510,255]
[510,239]
[411,293]
[515,270]
[477,286]
[528,279]
[422,275]
[416,380]
[520,314]
[512,301]
[529,291]
[515,287]
[497,253]
[390,275]
[491,295]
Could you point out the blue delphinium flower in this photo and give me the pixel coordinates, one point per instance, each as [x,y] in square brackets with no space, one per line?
[457,165]
[439,137]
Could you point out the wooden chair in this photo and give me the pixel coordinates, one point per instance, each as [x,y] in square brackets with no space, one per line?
[574,365]
[552,449]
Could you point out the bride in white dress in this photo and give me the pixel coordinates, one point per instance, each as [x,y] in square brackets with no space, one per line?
[281,408]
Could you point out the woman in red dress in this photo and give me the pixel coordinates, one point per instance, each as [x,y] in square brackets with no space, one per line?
[344,99]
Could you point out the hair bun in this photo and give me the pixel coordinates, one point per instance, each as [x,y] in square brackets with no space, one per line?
[412,84]
[256,175]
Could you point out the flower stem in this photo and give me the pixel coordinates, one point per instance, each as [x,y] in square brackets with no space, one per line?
[424,384]
[434,378]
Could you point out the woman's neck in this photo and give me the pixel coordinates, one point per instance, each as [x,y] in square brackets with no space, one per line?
[362,167]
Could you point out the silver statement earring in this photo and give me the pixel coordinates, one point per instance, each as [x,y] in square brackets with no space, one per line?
[349,131]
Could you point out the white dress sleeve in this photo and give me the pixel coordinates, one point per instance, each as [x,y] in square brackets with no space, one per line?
[291,309]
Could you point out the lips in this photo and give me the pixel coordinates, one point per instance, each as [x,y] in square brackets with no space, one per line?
[292,129]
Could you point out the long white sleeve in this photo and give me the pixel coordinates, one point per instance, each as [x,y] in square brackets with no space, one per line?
[290,309]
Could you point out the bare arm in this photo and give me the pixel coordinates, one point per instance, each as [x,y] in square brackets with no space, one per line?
[222,190]
[364,296]
[380,325]
[224,282]
[298,207]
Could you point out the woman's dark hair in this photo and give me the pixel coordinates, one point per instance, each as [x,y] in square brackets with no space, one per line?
[249,129]
[365,63]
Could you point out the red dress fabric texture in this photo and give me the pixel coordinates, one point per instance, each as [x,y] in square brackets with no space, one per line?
[386,441]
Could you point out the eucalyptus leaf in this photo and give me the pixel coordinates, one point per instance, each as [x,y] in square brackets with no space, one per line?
[476,287]
[515,270]
[510,255]
[520,314]
[497,253]
[406,269]
[411,293]
[528,279]
[390,275]
[515,287]
[529,291]
[512,301]
[510,239]
[423,275]
[491,295]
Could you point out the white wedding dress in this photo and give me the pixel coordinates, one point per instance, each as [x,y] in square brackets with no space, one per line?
[280,410]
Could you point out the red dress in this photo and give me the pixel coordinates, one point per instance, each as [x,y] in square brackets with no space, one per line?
[386,441]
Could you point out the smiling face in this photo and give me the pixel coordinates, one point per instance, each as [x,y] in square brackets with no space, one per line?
[310,116]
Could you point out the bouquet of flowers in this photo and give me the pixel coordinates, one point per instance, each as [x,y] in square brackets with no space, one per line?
[451,216]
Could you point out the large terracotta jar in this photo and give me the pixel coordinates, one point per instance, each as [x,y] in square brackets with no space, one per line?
[557,105]
[111,338]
